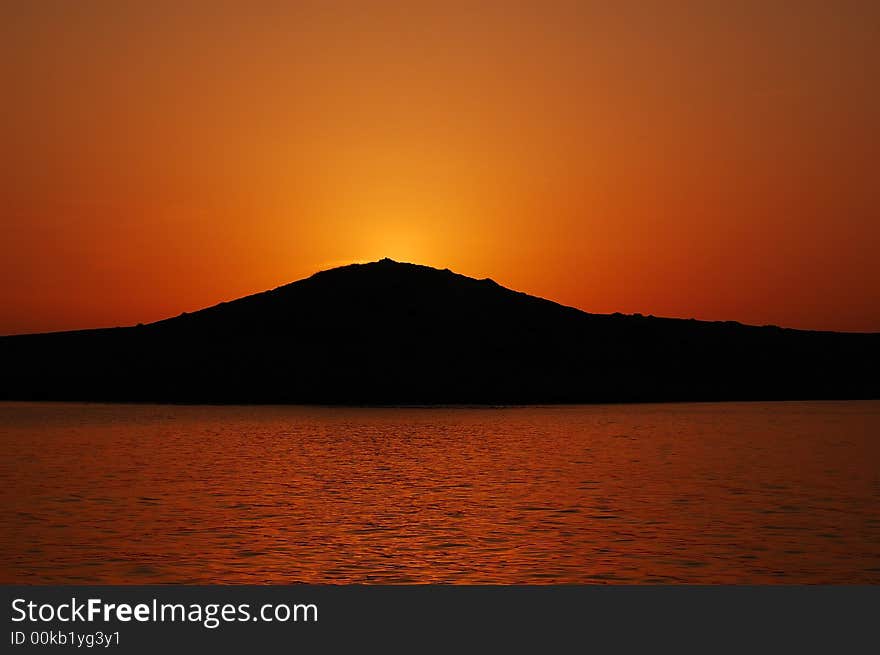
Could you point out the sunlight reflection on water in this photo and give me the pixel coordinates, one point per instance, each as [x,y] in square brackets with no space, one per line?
[699,493]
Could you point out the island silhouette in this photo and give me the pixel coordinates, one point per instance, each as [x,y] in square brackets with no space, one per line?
[396,333]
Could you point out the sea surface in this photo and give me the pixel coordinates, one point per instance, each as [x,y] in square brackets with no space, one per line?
[678,493]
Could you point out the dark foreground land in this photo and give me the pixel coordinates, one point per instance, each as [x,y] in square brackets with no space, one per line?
[396,333]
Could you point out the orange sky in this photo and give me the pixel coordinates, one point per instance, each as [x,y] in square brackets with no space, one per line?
[709,159]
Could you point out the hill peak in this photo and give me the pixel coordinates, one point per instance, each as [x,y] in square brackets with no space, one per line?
[387,270]
[393,266]
[385,262]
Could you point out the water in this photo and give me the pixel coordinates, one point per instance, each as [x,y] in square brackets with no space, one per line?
[698,493]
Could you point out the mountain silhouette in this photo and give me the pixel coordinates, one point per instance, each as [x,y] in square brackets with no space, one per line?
[396,333]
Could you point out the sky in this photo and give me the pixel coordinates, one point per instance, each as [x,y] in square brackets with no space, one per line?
[716,160]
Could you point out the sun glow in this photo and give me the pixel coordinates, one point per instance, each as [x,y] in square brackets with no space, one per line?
[406,207]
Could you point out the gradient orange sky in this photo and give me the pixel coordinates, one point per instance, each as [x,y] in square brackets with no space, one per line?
[717,160]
